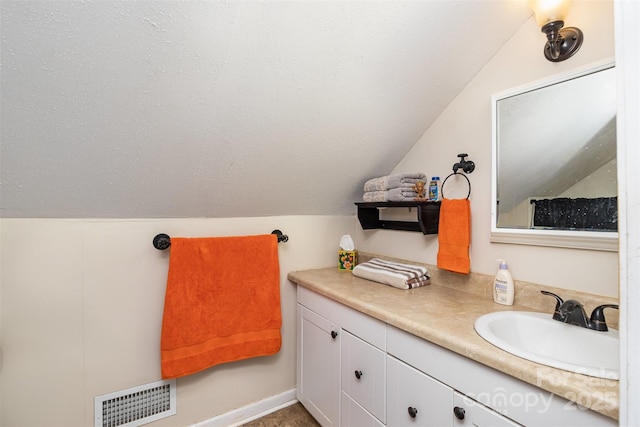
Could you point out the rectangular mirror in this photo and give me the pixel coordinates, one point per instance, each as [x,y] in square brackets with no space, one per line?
[554,177]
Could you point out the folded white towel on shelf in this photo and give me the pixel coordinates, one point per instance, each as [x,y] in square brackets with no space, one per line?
[398,275]
[392,195]
[399,180]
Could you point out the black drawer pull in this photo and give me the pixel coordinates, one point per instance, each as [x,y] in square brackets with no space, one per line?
[358,374]
[412,411]
[334,334]
[458,412]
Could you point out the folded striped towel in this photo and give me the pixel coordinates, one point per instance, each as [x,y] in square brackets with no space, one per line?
[398,180]
[393,195]
[398,275]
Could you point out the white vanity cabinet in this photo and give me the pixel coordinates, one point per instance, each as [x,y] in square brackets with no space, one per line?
[341,370]
[354,370]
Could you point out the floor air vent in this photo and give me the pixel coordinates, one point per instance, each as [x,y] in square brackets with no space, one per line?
[137,405]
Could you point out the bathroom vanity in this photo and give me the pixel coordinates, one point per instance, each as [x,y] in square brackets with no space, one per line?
[373,355]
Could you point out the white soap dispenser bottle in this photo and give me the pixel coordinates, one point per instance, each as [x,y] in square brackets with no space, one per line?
[503,289]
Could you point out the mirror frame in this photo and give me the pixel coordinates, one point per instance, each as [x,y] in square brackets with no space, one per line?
[595,240]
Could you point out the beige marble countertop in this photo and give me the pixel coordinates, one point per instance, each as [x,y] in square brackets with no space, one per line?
[445,316]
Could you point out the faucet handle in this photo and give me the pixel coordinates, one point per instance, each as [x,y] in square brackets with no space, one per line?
[597,321]
[557,315]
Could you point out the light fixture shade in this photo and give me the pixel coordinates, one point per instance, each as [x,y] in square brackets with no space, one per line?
[549,10]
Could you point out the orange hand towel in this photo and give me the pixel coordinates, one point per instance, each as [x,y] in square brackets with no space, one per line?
[454,235]
[222,302]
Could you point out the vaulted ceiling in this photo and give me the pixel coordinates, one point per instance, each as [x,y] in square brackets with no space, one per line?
[151,109]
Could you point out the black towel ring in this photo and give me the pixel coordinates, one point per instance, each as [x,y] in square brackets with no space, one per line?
[459,174]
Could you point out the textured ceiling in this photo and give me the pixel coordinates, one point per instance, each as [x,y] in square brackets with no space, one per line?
[147,109]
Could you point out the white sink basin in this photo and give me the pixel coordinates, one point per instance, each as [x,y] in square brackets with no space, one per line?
[539,338]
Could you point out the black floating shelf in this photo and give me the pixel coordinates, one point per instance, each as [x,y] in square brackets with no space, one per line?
[427,222]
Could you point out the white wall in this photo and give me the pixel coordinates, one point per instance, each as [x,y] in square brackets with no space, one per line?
[627,14]
[82,305]
[465,127]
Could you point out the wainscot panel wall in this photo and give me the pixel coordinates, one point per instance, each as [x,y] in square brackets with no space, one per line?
[82,304]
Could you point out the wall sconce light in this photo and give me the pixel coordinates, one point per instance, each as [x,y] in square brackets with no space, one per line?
[562,43]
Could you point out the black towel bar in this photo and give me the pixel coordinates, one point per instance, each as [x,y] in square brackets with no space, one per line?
[163,241]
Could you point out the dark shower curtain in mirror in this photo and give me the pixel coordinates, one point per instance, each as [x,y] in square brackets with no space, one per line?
[599,213]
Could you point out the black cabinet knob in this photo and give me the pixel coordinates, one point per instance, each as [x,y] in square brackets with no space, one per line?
[334,334]
[458,412]
[412,411]
[358,374]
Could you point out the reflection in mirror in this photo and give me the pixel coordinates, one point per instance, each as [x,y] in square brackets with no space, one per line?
[555,179]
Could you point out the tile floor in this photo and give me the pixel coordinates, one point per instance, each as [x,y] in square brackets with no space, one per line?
[291,416]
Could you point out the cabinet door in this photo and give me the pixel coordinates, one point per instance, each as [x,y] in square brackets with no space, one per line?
[318,366]
[415,398]
[364,374]
[468,412]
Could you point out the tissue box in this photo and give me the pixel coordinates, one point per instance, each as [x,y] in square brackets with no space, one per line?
[347,259]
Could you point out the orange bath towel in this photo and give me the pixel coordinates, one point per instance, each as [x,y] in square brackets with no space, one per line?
[222,302]
[454,235]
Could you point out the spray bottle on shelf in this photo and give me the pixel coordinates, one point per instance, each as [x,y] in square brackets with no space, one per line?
[503,289]
[434,185]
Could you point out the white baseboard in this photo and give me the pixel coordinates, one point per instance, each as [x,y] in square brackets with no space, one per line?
[252,411]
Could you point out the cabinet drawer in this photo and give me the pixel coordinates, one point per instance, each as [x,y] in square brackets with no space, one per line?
[415,398]
[472,414]
[483,384]
[354,415]
[366,327]
[364,374]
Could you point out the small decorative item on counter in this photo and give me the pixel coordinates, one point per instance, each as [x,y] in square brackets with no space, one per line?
[434,190]
[418,187]
[347,254]
[503,289]
[347,260]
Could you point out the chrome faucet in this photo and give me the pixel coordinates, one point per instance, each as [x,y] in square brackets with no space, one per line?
[572,312]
